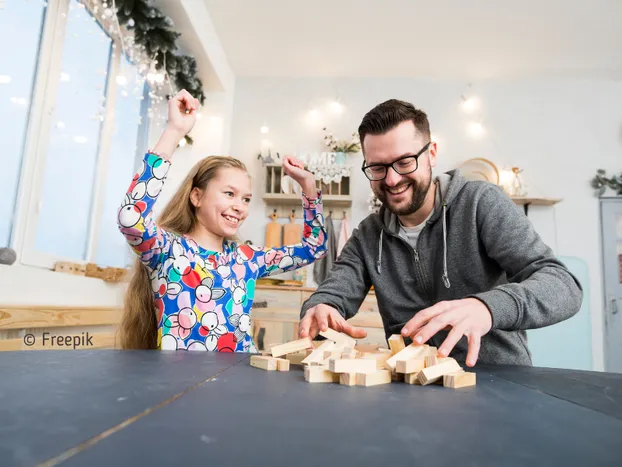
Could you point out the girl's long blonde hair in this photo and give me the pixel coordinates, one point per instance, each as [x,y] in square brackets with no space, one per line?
[138,327]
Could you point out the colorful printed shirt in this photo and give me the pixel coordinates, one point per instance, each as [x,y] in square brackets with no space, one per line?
[203,299]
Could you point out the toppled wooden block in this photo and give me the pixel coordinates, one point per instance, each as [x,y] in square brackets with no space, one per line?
[412,365]
[430,360]
[412,378]
[460,379]
[282,364]
[373,379]
[338,338]
[318,374]
[295,358]
[381,358]
[359,365]
[349,353]
[291,347]
[434,373]
[410,352]
[347,379]
[264,363]
[317,355]
[396,343]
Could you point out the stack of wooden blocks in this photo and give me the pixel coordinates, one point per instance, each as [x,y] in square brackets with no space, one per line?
[339,360]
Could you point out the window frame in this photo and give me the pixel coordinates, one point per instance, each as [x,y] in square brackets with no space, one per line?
[37,134]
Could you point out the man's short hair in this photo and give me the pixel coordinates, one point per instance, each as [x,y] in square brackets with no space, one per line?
[388,115]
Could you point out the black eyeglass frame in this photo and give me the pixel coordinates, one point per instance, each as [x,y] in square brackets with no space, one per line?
[392,164]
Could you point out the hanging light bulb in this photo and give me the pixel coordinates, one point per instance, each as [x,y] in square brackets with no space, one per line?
[265,129]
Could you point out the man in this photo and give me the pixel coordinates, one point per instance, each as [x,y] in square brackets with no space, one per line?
[454,263]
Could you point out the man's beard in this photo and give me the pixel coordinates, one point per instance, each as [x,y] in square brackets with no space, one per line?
[419,192]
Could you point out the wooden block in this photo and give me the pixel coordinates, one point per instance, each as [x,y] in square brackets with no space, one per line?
[431,351]
[412,378]
[332,354]
[396,343]
[381,358]
[264,363]
[358,365]
[338,338]
[410,352]
[431,360]
[318,374]
[291,347]
[373,379]
[349,353]
[460,379]
[413,365]
[317,355]
[282,364]
[347,379]
[434,373]
[295,358]
[362,348]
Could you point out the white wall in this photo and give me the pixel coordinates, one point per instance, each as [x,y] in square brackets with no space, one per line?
[559,132]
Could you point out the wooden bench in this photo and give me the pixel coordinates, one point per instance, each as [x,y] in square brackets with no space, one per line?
[28,327]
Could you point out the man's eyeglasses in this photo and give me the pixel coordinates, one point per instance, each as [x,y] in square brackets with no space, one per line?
[403,165]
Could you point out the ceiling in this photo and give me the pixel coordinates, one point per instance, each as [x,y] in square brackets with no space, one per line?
[421,38]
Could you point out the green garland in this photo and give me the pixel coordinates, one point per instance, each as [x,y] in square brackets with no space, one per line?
[153,30]
[600,182]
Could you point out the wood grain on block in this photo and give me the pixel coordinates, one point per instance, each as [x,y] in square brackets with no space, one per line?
[358,365]
[362,348]
[373,379]
[319,374]
[295,358]
[332,354]
[396,343]
[282,364]
[412,351]
[412,378]
[460,379]
[431,350]
[413,365]
[338,338]
[381,358]
[291,347]
[431,360]
[317,355]
[264,363]
[347,379]
[434,373]
[349,353]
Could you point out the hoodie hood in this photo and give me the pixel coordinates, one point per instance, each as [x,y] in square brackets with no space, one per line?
[448,185]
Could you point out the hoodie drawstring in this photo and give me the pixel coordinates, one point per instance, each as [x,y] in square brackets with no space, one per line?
[445,275]
[380,251]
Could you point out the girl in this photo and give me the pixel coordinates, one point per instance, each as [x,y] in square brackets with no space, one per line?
[194,284]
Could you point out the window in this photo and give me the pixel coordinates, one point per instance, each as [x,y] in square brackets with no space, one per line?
[20,23]
[125,145]
[87,127]
[71,157]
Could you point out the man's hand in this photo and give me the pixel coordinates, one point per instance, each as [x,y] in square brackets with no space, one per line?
[468,317]
[321,317]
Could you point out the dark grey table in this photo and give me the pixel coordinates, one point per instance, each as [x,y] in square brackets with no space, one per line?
[119,408]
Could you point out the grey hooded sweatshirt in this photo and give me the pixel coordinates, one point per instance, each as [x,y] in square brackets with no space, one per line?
[477,243]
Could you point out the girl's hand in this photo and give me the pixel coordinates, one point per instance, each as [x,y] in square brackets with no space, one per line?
[295,169]
[182,112]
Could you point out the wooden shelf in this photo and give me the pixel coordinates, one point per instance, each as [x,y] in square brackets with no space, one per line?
[535,201]
[329,200]
[526,201]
